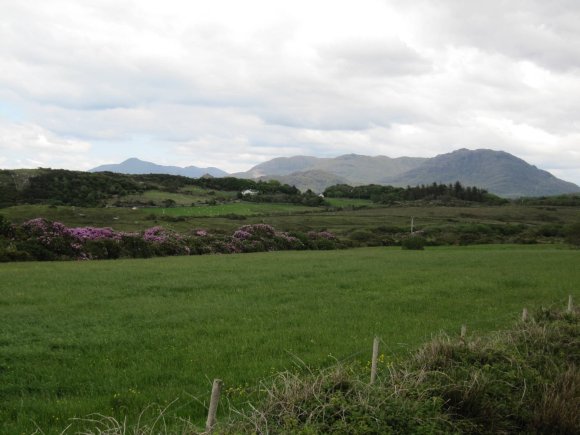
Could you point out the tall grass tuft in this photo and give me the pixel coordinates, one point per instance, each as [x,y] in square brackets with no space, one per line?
[523,380]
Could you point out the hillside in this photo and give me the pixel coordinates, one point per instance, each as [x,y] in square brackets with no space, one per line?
[315,180]
[136,166]
[91,189]
[281,166]
[352,168]
[496,171]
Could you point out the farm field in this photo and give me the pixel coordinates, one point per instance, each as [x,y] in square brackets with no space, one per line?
[238,208]
[113,337]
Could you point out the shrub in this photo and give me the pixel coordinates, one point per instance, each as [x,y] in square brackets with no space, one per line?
[6,229]
[135,247]
[573,234]
[523,380]
[416,243]
[362,235]
[41,239]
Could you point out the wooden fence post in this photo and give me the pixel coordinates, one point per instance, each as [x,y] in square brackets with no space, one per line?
[525,315]
[570,304]
[374,360]
[463,333]
[213,405]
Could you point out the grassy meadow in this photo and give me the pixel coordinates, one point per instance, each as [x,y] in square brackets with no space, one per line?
[237,208]
[113,337]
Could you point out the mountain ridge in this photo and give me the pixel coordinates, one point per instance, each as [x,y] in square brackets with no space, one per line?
[498,172]
[135,166]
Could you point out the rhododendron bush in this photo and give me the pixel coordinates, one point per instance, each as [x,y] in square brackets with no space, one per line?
[41,239]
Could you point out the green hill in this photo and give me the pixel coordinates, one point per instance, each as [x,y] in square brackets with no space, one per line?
[497,171]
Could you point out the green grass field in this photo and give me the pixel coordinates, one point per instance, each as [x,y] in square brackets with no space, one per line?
[185,197]
[238,208]
[349,202]
[112,337]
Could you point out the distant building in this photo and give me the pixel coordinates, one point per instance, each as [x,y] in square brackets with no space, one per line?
[249,192]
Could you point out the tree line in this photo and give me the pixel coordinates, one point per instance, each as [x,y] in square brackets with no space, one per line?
[88,189]
[390,194]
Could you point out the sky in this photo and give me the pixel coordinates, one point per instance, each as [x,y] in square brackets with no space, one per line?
[231,83]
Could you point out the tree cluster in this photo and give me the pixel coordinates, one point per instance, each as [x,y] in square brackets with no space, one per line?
[86,189]
[391,194]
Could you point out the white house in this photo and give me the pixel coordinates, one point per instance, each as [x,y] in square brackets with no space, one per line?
[249,192]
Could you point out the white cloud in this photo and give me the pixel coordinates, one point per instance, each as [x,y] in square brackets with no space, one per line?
[32,145]
[30,137]
[231,84]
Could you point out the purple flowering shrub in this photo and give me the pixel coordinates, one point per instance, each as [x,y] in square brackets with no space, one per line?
[262,237]
[40,239]
[46,240]
[322,240]
[166,242]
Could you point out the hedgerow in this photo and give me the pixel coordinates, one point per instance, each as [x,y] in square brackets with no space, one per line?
[43,240]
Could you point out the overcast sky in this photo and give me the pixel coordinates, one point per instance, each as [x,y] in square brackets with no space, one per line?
[234,83]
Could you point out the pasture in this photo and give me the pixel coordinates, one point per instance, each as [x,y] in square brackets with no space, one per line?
[237,208]
[113,337]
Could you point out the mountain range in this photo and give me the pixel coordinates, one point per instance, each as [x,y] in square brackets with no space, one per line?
[136,166]
[497,171]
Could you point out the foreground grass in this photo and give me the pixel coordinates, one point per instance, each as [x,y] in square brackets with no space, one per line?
[525,379]
[115,336]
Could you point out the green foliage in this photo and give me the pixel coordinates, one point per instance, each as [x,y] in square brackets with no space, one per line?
[521,380]
[85,189]
[573,234]
[390,194]
[308,198]
[77,188]
[414,242]
[570,200]
[6,228]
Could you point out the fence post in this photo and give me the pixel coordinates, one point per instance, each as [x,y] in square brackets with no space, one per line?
[213,405]
[463,333]
[374,360]
[525,315]
[570,304]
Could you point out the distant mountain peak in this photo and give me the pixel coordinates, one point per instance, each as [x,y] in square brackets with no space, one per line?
[133,165]
[497,171]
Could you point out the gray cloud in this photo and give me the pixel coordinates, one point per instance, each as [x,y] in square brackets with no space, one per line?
[362,58]
[186,83]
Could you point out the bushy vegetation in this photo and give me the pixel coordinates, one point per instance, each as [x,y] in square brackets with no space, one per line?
[573,234]
[522,380]
[389,194]
[40,239]
[570,200]
[86,189]
[307,198]
[413,242]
